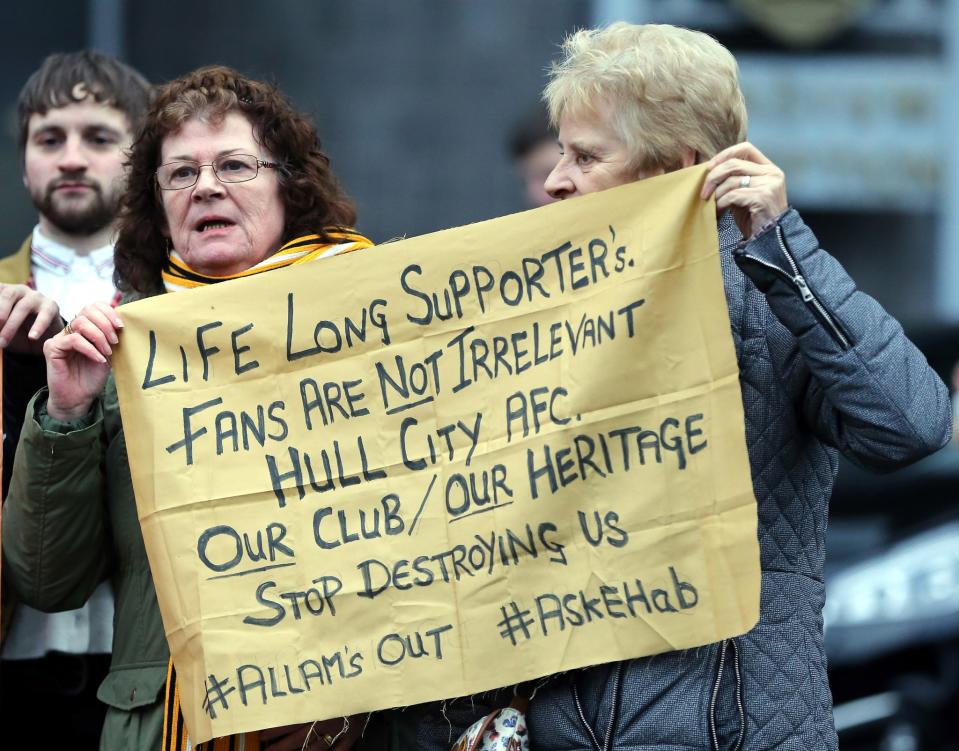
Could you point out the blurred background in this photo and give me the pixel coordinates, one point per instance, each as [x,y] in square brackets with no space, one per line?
[858,102]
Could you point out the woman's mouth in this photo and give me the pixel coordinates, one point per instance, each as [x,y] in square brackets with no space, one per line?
[213,224]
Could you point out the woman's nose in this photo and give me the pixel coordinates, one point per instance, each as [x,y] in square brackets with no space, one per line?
[558,183]
[207,183]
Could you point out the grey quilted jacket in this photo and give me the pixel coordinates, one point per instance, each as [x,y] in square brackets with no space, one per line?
[823,369]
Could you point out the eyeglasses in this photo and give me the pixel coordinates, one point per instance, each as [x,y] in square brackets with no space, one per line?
[229,168]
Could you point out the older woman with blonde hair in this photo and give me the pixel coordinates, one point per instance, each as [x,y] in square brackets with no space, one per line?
[226,180]
[824,369]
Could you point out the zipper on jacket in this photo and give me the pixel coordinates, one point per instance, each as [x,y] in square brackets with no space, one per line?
[739,696]
[612,712]
[799,282]
[807,294]
[739,699]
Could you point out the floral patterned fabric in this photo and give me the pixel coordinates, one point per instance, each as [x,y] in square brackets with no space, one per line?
[502,730]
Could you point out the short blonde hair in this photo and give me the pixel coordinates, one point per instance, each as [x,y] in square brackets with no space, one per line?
[664,88]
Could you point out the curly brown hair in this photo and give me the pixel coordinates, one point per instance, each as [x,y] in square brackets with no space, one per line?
[312,196]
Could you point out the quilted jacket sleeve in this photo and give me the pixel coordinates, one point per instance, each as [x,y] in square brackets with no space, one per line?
[862,386]
[54,520]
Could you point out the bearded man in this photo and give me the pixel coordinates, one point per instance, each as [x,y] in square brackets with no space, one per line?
[77,115]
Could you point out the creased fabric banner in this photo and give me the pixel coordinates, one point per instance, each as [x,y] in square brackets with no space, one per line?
[445,464]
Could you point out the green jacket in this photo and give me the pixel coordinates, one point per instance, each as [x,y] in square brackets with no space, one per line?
[71,508]
[22,377]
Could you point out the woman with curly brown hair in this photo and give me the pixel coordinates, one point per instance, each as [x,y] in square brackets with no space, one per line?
[226,180]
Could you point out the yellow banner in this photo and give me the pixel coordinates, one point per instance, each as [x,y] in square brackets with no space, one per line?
[445,464]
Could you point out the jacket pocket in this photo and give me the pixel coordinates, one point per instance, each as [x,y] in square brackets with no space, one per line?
[130,688]
[727,716]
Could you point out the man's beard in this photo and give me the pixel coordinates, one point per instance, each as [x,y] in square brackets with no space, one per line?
[84,217]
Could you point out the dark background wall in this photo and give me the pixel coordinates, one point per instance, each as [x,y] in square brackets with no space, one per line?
[412,99]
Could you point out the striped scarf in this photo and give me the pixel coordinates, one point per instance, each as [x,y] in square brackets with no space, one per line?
[178,276]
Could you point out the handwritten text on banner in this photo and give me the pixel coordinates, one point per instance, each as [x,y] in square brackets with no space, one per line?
[444,464]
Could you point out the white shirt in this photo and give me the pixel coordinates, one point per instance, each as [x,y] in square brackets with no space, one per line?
[73,281]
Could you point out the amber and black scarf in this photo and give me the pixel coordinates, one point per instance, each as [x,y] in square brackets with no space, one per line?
[178,276]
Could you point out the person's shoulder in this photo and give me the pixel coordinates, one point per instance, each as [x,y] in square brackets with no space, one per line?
[15,268]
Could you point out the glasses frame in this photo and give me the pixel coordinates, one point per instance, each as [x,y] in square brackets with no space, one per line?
[199,168]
